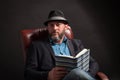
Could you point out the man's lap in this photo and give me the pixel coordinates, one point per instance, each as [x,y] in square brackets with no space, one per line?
[78,74]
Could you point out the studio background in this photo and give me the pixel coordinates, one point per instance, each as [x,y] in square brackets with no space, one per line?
[95,22]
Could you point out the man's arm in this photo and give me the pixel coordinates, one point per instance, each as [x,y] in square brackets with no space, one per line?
[93,67]
[31,66]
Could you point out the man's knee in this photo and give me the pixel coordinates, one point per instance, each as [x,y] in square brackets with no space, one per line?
[82,75]
[76,72]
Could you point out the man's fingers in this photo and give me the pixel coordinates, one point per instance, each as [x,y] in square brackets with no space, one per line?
[60,68]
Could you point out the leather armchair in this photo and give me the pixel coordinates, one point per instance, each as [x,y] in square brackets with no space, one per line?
[29,35]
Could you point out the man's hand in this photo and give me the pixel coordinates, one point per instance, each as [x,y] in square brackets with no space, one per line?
[57,73]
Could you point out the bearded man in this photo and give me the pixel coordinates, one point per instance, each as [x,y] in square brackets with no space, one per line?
[40,61]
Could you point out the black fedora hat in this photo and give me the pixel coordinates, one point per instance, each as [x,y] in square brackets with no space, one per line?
[56,15]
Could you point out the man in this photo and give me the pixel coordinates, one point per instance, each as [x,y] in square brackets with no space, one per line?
[40,62]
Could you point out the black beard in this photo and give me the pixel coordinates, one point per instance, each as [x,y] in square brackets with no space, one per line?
[56,39]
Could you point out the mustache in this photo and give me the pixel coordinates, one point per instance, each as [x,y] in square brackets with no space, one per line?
[55,32]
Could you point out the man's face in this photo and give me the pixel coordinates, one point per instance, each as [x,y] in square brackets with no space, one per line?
[56,30]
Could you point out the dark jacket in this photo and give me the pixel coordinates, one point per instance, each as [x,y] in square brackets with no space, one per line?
[41,59]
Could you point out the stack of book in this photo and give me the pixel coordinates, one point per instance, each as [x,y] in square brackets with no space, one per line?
[81,60]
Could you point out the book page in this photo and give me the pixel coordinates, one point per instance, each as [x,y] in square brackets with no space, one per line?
[81,52]
[81,60]
[65,56]
[72,57]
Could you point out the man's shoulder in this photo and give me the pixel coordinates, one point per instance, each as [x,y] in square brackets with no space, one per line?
[39,42]
[75,40]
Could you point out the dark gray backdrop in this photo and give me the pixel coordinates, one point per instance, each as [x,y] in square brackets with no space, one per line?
[95,22]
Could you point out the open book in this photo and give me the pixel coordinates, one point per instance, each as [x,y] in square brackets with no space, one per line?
[81,60]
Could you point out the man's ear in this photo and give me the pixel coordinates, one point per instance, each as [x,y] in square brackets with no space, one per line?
[67,27]
[68,32]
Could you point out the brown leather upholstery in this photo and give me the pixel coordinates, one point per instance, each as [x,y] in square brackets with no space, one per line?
[29,35]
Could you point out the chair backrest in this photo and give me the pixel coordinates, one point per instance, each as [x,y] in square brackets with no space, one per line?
[29,35]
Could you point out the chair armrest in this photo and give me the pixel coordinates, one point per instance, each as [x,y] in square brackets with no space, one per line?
[102,76]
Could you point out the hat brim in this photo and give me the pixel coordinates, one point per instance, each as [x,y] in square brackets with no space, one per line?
[56,18]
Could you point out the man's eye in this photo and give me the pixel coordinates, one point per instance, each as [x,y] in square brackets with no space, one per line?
[58,24]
